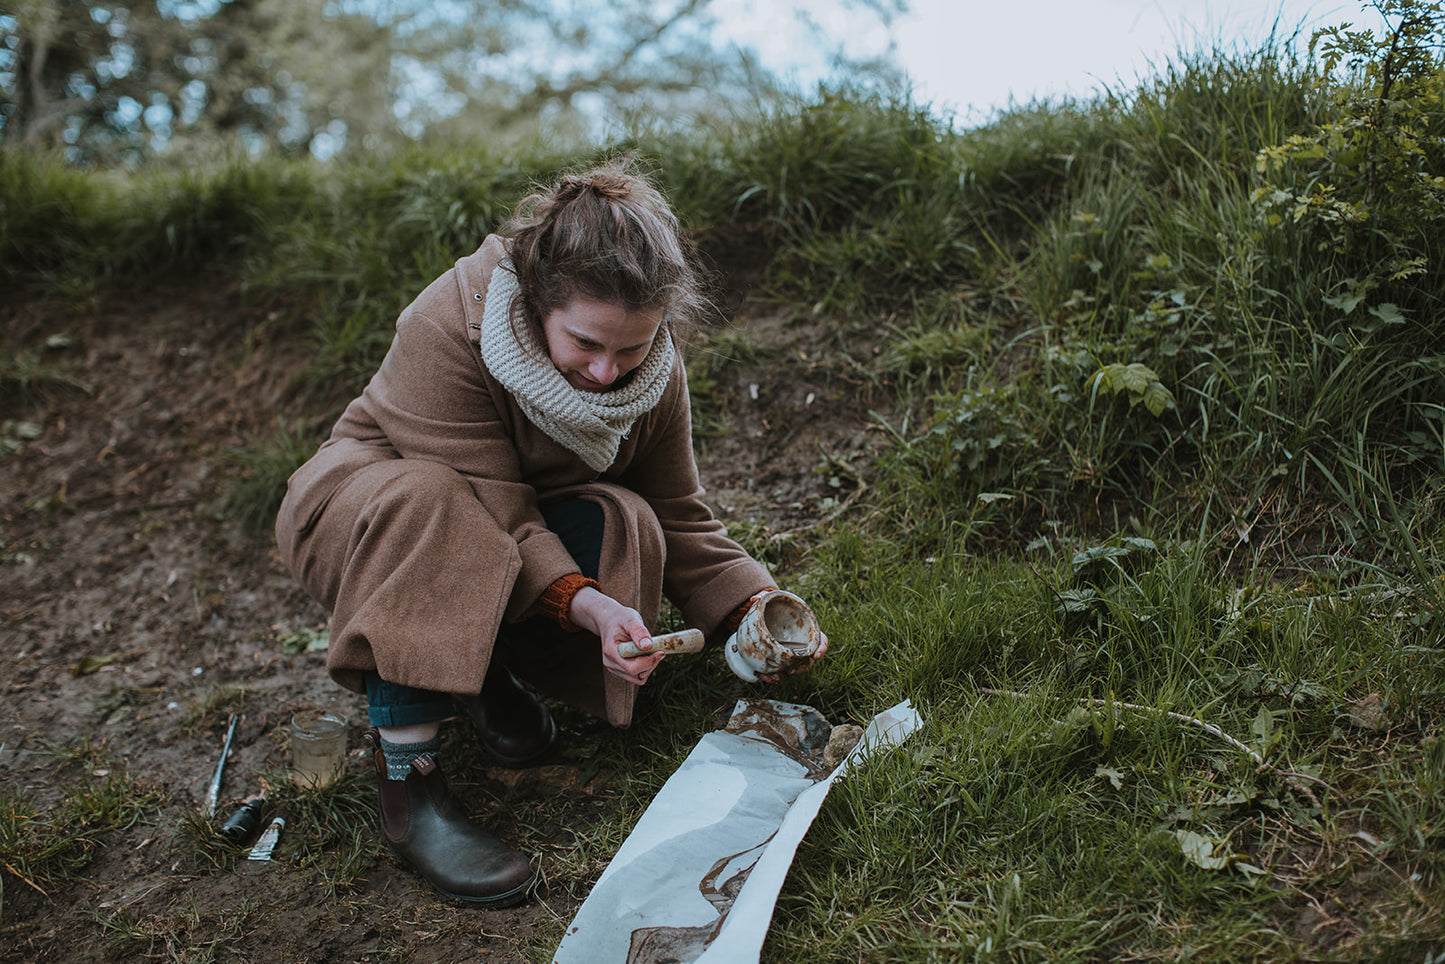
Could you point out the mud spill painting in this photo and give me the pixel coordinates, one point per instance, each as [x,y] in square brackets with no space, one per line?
[699,876]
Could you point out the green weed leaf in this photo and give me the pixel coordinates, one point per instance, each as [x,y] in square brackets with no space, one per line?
[305,641]
[1138,382]
[1076,601]
[90,664]
[1199,850]
[1389,314]
[1263,725]
[1157,399]
[1249,870]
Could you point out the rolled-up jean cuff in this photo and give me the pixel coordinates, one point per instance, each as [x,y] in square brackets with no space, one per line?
[391,704]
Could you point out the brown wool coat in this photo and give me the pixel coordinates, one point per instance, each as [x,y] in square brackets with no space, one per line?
[417,522]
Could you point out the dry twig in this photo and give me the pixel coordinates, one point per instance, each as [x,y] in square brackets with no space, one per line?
[1290,778]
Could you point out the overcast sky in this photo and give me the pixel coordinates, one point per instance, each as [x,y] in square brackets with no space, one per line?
[972,56]
[976,53]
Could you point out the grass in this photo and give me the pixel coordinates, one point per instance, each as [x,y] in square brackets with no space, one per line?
[28,371]
[264,463]
[1045,564]
[44,848]
[331,829]
[1053,832]
[187,934]
[210,706]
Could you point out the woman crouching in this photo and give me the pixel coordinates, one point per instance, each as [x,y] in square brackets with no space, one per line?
[511,496]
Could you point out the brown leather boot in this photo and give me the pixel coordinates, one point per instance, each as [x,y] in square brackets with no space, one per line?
[514,726]
[427,828]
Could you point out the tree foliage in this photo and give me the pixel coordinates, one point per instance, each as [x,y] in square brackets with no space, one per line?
[108,80]
[116,80]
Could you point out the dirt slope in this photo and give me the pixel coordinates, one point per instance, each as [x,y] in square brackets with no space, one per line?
[127,607]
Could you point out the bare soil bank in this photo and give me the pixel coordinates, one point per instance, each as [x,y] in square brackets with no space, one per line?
[127,603]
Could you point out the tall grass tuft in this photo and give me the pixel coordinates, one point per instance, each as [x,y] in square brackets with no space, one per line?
[264,464]
[69,231]
[39,846]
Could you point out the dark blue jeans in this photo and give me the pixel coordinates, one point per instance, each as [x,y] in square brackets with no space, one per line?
[579,525]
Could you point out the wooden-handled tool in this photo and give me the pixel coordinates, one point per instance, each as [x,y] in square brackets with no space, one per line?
[686,641]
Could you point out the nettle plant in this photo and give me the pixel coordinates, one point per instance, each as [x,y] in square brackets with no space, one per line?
[1366,183]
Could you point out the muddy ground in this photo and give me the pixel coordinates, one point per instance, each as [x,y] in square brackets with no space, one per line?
[134,618]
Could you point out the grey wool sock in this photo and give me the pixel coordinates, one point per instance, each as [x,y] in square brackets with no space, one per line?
[399,755]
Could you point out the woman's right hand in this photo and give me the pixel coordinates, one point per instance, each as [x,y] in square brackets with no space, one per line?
[615,624]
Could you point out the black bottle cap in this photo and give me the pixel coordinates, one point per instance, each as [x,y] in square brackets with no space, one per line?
[244,821]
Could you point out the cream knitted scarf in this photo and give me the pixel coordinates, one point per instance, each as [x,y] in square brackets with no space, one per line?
[591,424]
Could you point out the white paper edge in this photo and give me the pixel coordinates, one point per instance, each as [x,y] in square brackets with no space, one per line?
[747,922]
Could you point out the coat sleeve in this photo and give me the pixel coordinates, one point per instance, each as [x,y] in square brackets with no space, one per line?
[707,574]
[429,401]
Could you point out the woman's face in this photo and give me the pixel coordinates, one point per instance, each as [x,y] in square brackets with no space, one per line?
[594,343]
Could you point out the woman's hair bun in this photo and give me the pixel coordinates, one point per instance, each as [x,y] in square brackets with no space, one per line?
[605,233]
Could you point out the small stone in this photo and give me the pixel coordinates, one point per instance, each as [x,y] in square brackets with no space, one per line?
[841,741]
[1368,713]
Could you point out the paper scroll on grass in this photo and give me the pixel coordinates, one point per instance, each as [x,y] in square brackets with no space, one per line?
[699,875]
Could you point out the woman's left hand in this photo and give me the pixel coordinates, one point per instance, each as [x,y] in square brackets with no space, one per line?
[801,667]
[614,624]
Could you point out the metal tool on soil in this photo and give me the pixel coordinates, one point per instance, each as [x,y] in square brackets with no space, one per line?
[208,806]
[266,843]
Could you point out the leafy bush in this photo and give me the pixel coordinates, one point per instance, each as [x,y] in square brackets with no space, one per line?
[1365,183]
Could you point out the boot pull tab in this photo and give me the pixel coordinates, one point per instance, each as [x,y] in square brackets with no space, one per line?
[372,738]
[435,787]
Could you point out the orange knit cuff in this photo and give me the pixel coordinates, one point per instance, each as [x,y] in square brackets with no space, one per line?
[556,600]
